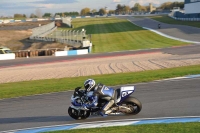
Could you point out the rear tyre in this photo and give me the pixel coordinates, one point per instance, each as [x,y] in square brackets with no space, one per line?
[134,104]
[75,114]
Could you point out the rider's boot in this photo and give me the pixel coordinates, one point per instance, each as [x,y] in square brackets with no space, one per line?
[106,109]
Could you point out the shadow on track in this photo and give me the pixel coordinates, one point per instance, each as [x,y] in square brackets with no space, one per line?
[35,119]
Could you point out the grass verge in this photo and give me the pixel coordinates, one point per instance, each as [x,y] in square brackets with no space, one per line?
[10,90]
[168,20]
[150,128]
[112,34]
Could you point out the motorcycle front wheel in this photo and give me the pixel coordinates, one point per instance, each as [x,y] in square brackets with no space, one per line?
[78,114]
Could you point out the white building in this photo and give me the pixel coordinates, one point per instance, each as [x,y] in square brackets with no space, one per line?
[192,7]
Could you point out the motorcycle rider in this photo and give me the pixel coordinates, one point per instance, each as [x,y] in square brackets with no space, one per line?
[99,91]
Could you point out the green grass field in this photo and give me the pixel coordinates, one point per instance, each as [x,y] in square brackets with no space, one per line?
[150,128]
[112,34]
[9,90]
[168,20]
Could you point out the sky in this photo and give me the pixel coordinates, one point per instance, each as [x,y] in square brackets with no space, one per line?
[10,7]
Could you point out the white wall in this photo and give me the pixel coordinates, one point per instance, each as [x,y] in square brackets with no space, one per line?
[7,56]
[61,53]
[75,52]
[192,8]
[82,51]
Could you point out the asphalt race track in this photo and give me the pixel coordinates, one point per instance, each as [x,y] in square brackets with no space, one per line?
[179,31]
[167,98]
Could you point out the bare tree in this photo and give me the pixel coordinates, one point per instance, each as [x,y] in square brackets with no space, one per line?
[33,15]
[38,12]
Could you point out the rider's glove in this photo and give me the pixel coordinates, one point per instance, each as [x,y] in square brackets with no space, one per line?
[91,98]
[85,106]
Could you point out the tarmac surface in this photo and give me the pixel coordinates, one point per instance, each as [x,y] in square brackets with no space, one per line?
[171,98]
[179,31]
[190,49]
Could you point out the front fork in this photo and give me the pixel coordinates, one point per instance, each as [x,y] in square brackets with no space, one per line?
[78,109]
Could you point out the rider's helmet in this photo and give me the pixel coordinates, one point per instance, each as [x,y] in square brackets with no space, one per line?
[89,85]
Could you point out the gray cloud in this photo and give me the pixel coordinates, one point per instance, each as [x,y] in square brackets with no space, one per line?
[14,5]
[8,6]
[26,5]
[54,1]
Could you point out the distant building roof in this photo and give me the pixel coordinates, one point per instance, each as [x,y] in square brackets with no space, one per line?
[57,16]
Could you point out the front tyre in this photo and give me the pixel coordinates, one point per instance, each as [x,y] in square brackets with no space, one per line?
[134,104]
[78,115]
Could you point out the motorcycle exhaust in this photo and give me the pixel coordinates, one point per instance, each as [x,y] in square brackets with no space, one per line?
[124,109]
[115,113]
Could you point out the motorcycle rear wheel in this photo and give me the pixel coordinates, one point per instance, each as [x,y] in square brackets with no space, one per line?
[134,104]
[83,114]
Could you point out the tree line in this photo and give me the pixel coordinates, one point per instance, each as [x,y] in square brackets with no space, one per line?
[120,9]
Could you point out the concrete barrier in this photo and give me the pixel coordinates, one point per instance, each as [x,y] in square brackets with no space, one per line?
[71,52]
[6,21]
[17,20]
[82,51]
[7,56]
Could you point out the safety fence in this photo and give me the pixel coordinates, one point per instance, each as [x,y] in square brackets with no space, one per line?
[180,15]
[50,33]
[185,19]
[43,30]
[74,38]
[67,21]
[70,37]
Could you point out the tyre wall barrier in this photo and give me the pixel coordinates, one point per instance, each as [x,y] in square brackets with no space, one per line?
[7,56]
[34,53]
[71,52]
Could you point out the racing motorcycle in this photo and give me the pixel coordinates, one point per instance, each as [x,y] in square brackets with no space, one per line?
[124,103]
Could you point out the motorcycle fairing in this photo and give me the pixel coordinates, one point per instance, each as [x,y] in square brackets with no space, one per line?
[124,93]
[107,91]
[74,101]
